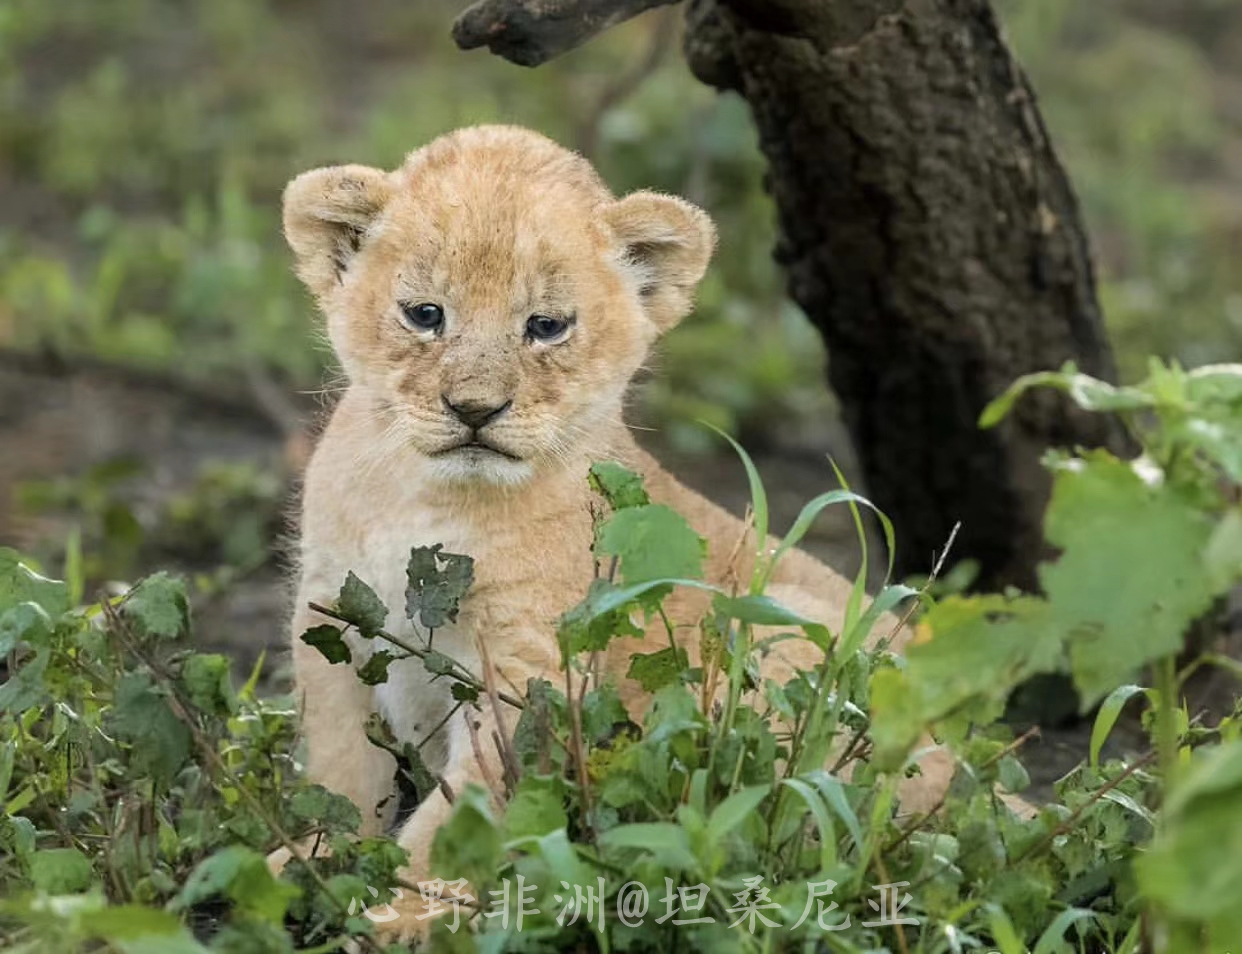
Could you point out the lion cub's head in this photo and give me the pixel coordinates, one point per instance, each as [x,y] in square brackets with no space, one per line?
[492,295]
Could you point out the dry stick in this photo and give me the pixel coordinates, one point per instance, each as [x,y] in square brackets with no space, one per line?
[493,789]
[465,676]
[935,572]
[504,744]
[579,748]
[178,709]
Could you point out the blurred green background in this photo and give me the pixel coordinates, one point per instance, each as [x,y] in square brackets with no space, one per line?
[144,145]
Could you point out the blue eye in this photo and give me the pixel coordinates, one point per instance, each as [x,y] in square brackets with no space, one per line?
[424,316]
[546,328]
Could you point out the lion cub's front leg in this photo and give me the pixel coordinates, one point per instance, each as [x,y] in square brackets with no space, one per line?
[467,764]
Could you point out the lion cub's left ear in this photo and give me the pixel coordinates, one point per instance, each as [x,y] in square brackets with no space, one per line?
[327,213]
[667,243]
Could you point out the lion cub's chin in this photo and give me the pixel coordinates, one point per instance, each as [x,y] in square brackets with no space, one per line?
[477,465]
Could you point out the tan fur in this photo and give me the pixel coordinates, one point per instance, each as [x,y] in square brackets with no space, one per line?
[494,224]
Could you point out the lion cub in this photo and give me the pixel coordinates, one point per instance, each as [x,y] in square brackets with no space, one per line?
[489,302]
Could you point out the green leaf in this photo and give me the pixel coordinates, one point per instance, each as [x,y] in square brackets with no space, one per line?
[461,692]
[537,807]
[60,870]
[813,508]
[823,821]
[358,604]
[758,611]
[438,582]
[602,712]
[375,670]
[24,623]
[25,688]
[158,607]
[758,496]
[618,485]
[652,542]
[207,681]
[1193,867]
[967,655]
[438,664]
[327,639]
[733,811]
[1223,557]
[316,804]
[242,875]
[1130,579]
[160,743]
[667,844]
[468,845]
[1107,718]
[20,584]
[1087,392]
[659,669]
[131,922]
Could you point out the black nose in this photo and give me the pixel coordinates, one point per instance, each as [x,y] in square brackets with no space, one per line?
[475,414]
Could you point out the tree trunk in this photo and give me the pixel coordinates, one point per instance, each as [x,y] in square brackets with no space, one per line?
[928,231]
[932,237]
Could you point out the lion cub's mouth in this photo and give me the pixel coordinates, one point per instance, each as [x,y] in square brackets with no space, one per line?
[477,446]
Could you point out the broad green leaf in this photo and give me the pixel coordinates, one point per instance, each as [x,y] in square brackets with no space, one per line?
[160,742]
[733,811]
[758,611]
[129,922]
[659,669]
[652,542]
[60,870]
[24,623]
[207,680]
[967,655]
[1223,557]
[316,804]
[1193,867]
[667,843]
[602,711]
[1107,718]
[536,808]
[835,797]
[1130,578]
[618,485]
[437,583]
[327,639]
[158,607]
[25,688]
[242,875]
[823,821]
[20,584]
[375,670]
[468,845]
[358,604]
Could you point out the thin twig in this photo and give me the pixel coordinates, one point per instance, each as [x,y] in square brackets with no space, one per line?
[465,675]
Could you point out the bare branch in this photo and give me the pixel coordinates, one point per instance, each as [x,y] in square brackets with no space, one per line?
[531,32]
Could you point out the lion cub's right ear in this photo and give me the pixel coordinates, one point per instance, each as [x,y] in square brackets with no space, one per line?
[326,215]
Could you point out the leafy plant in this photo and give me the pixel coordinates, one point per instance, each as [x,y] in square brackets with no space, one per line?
[742,814]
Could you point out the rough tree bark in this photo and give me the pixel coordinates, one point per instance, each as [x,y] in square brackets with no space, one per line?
[929,233]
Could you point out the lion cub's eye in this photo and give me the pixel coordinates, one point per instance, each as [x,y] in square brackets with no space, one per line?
[424,316]
[547,329]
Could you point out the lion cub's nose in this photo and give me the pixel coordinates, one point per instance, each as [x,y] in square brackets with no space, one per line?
[473,413]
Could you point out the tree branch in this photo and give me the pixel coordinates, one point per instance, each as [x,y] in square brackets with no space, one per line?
[531,32]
